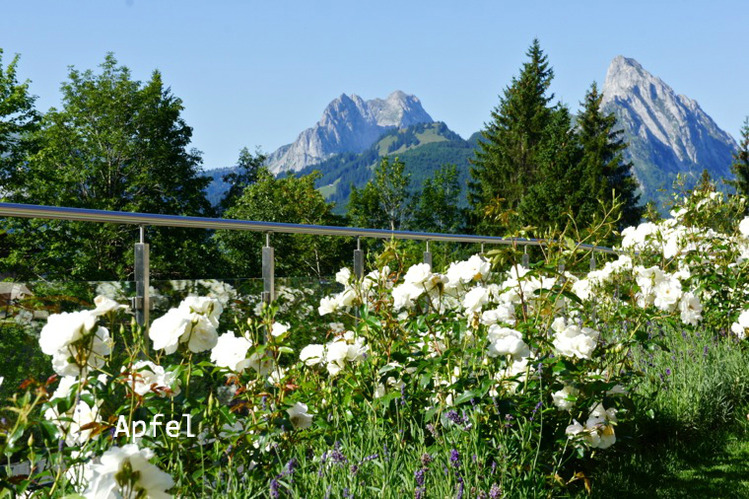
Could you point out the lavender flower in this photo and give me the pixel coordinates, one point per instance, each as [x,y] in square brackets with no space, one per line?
[535,409]
[274,488]
[495,491]
[455,458]
[419,476]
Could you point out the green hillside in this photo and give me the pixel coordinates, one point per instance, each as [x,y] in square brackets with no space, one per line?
[423,148]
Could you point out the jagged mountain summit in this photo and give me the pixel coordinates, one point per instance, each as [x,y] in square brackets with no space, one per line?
[668,134]
[348,125]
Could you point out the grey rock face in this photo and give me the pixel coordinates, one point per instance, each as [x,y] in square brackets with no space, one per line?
[348,124]
[668,134]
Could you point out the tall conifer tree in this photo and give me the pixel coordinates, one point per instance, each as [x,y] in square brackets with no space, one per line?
[506,160]
[603,166]
[740,166]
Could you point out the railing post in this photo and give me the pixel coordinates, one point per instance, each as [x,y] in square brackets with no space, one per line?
[592,261]
[428,256]
[526,258]
[269,285]
[358,260]
[142,302]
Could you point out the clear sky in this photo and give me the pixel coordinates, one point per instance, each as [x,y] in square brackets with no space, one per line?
[256,73]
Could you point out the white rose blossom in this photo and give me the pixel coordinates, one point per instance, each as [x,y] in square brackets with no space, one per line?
[299,416]
[126,473]
[231,352]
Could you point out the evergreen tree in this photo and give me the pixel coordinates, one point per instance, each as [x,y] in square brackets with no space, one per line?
[556,191]
[604,169]
[116,144]
[245,173]
[740,166]
[506,161]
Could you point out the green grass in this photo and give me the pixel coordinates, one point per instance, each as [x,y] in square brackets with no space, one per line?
[691,438]
[329,190]
[713,467]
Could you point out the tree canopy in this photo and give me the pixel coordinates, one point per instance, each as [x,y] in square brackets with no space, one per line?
[535,167]
[740,165]
[115,144]
[384,202]
[506,161]
[287,200]
[18,118]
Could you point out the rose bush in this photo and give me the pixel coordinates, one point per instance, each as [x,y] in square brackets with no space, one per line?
[480,380]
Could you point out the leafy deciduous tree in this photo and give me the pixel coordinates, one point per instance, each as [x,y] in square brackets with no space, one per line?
[384,202]
[18,118]
[116,144]
[288,200]
[437,209]
[246,173]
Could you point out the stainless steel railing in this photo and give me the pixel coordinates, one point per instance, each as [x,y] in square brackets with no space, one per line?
[141,302]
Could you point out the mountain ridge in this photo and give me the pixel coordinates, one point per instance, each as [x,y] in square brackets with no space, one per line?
[668,134]
[348,124]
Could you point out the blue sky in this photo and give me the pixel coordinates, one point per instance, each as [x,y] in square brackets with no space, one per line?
[255,73]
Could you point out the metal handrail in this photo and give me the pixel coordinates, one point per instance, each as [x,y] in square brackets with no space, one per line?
[143,219]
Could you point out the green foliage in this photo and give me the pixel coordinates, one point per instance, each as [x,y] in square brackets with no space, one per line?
[386,198]
[555,192]
[116,144]
[423,148]
[245,173]
[437,209]
[287,200]
[18,119]
[364,208]
[740,166]
[507,160]
[603,168]
[533,168]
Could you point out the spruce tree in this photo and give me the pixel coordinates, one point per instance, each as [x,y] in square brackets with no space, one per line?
[604,169]
[507,157]
[556,191]
[740,166]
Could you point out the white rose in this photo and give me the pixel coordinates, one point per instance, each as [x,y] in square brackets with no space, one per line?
[299,416]
[166,331]
[65,328]
[475,299]
[564,398]
[343,276]
[203,335]
[312,355]
[506,341]
[231,352]
[278,329]
[106,475]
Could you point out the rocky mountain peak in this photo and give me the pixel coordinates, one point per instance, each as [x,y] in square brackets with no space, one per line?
[668,134]
[348,124]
